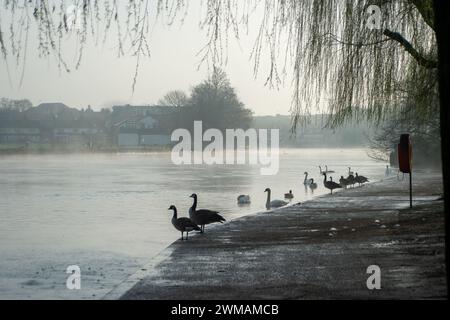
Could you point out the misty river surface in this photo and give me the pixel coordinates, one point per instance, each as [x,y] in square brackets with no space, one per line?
[108,213]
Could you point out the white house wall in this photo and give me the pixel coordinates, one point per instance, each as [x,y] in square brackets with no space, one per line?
[155,140]
[128,139]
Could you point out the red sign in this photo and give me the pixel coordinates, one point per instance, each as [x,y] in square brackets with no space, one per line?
[405,154]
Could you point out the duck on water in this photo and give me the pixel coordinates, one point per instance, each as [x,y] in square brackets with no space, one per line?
[289,195]
[203,217]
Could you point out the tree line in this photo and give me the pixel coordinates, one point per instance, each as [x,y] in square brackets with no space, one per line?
[214,102]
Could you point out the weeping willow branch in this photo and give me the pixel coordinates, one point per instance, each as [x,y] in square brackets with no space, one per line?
[355,71]
[421,60]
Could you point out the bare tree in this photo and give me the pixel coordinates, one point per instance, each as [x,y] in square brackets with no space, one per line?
[425,136]
[16,105]
[329,45]
[175,98]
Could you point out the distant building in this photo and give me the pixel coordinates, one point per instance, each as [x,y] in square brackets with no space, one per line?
[20,135]
[54,123]
[141,126]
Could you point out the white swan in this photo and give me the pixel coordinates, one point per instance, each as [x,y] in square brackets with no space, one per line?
[273,203]
[313,185]
[307,181]
[326,170]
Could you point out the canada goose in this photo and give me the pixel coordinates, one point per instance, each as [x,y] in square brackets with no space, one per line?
[243,199]
[203,217]
[343,182]
[330,184]
[289,195]
[351,180]
[183,224]
[273,203]
[360,179]
[307,181]
[313,185]
[350,172]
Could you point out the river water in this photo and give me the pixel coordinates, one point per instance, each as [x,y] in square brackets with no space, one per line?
[108,214]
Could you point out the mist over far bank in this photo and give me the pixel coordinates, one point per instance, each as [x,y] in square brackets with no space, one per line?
[55,127]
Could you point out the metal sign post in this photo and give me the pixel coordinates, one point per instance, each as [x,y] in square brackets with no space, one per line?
[410,189]
[405,160]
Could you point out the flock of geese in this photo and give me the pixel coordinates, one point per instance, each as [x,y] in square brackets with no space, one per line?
[199,218]
[351,180]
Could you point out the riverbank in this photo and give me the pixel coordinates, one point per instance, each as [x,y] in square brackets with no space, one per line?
[318,249]
[58,149]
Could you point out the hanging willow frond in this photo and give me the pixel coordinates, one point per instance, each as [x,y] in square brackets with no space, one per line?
[332,53]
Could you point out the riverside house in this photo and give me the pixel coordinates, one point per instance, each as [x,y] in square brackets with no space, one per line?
[59,126]
[54,124]
[142,126]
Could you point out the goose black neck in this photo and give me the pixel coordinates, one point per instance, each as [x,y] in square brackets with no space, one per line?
[175,212]
[194,205]
[325,177]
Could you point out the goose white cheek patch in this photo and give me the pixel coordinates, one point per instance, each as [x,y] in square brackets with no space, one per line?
[253,147]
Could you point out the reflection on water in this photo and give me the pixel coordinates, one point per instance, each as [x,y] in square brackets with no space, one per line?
[54,207]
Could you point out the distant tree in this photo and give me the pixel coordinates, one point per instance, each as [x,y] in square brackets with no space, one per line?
[106,110]
[175,98]
[216,103]
[17,105]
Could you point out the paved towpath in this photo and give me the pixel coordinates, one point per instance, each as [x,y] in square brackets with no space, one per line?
[318,249]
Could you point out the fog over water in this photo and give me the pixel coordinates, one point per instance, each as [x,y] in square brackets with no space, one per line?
[108,213]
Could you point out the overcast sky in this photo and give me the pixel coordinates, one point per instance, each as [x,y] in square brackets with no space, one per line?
[105,80]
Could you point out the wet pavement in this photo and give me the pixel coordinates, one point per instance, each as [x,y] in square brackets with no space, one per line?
[320,249]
